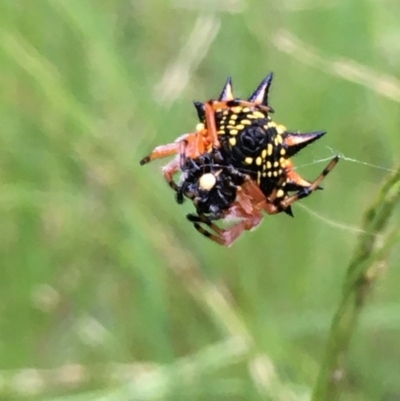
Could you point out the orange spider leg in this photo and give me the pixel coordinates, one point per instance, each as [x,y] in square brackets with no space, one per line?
[295,177]
[250,219]
[194,147]
[176,164]
[259,201]
[170,170]
[197,142]
[228,236]
[254,193]
[211,125]
[314,185]
[161,151]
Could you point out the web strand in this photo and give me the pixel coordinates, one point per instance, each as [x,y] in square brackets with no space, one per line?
[345,158]
[330,222]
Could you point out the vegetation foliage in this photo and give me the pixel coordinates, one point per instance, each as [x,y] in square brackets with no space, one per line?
[107,292]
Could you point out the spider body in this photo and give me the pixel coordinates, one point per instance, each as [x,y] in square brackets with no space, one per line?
[237,164]
[244,133]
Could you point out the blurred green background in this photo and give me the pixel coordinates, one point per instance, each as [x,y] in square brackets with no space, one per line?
[107,292]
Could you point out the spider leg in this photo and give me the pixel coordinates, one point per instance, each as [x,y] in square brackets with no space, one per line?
[294,179]
[306,191]
[224,237]
[233,233]
[193,144]
[248,223]
[208,234]
[253,192]
[180,189]
[211,125]
[173,167]
[201,218]
[233,172]
[250,216]
[161,151]
[170,170]
[197,219]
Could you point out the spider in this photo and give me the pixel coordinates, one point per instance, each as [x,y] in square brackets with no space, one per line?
[223,192]
[243,132]
[237,164]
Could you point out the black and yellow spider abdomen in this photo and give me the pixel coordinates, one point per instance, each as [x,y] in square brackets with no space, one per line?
[252,141]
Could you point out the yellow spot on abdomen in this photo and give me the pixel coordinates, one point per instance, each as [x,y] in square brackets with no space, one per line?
[259,161]
[270,149]
[280,194]
[232,141]
[248,160]
[236,109]
[264,154]
[245,122]
[280,128]
[239,127]
[258,114]
[283,151]
[233,131]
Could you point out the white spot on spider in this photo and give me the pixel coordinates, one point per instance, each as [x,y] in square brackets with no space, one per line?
[207,181]
[200,127]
